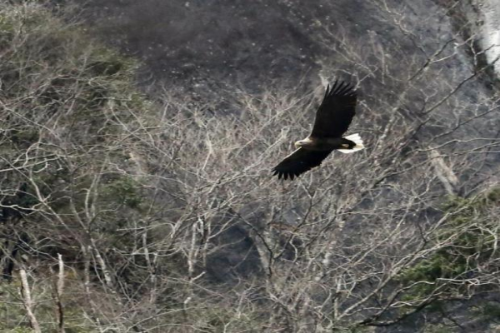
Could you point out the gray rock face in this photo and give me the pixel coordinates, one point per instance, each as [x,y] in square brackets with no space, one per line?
[489,29]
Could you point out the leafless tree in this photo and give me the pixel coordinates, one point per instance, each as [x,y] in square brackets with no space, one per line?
[168,219]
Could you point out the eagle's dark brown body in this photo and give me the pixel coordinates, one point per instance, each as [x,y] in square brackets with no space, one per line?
[311,143]
[332,120]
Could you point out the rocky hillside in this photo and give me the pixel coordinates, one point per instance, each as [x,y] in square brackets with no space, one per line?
[137,140]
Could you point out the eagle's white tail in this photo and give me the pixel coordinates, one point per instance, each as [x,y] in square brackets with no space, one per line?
[357,140]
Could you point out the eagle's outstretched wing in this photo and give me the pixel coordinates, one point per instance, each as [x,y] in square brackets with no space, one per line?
[335,112]
[299,162]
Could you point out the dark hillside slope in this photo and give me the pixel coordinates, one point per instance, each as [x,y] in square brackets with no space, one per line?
[421,82]
[197,40]
[395,49]
[163,216]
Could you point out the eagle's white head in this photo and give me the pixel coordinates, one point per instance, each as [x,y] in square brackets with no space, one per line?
[302,143]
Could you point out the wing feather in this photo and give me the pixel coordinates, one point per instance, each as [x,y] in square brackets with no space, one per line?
[298,162]
[336,111]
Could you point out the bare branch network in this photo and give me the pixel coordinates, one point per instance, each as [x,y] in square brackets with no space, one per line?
[123,214]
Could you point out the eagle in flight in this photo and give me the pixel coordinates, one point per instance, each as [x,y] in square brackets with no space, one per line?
[332,120]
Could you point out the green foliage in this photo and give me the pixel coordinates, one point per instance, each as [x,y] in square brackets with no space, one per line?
[67,97]
[59,67]
[359,329]
[440,265]
[107,62]
[490,311]
[468,245]
[14,318]
[6,30]
[439,328]
[221,319]
[21,330]
[24,137]
[55,75]
[124,191]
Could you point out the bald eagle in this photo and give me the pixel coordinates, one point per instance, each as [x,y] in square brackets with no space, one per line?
[332,120]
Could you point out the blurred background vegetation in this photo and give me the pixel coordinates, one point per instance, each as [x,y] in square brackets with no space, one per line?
[136,144]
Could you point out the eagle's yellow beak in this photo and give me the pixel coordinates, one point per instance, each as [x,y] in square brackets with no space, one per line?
[298,144]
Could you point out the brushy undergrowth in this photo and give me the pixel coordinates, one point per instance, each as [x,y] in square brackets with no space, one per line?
[64,98]
[470,237]
[168,220]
